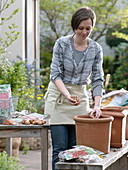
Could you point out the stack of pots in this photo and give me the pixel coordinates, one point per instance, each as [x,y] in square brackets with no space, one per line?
[119,133]
[95,133]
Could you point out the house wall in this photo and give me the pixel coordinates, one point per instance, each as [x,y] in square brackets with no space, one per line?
[27,20]
[18,46]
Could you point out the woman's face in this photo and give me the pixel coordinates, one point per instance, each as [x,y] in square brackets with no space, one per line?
[84,29]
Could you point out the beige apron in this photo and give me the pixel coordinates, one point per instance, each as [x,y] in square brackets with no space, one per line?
[60,109]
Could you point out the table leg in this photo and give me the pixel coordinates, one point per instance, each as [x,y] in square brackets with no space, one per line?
[44,149]
[9,146]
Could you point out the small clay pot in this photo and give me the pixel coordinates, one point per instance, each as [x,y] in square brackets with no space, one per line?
[119,125]
[95,133]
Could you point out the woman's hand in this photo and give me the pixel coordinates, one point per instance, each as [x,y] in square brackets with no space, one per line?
[95,113]
[74,100]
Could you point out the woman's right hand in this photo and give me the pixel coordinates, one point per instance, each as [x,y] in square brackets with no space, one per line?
[74,100]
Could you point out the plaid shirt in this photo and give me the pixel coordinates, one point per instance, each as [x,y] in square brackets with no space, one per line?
[64,67]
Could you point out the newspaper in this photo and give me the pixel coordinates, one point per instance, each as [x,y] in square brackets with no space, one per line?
[119,100]
[115,98]
[116,92]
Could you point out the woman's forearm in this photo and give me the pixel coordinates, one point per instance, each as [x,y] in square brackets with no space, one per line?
[97,101]
[61,87]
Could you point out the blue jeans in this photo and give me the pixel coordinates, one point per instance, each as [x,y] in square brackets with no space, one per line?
[63,137]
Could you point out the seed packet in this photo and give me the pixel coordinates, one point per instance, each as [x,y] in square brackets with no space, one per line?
[6,105]
[80,152]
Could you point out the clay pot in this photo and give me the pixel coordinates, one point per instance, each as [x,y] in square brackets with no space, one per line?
[119,132]
[94,133]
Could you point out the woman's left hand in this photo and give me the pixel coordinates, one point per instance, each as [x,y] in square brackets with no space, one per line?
[95,113]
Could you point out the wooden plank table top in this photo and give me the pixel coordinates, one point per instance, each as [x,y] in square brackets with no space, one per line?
[113,156]
[21,126]
[12,131]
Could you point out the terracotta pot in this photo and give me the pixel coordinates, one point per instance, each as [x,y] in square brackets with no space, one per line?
[119,132]
[127,127]
[94,133]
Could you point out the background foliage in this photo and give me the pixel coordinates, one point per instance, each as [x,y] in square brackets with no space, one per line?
[55,22]
[9,163]
[16,74]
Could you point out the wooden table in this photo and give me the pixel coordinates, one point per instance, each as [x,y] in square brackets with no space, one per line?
[117,159]
[11,131]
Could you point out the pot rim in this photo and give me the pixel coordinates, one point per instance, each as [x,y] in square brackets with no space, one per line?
[115,108]
[115,113]
[86,118]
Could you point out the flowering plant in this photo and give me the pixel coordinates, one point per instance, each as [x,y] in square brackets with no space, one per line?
[17,74]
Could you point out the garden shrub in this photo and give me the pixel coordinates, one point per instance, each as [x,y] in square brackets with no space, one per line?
[108,64]
[120,77]
[22,82]
[9,163]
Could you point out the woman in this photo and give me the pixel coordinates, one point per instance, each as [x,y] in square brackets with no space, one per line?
[76,59]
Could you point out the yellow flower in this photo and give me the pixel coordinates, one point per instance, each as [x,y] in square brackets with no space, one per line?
[27,93]
[31,96]
[39,98]
[40,95]
[42,86]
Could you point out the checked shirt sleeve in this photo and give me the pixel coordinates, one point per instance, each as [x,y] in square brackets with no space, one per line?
[57,64]
[97,73]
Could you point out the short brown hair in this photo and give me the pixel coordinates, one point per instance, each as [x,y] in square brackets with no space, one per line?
[81,14]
